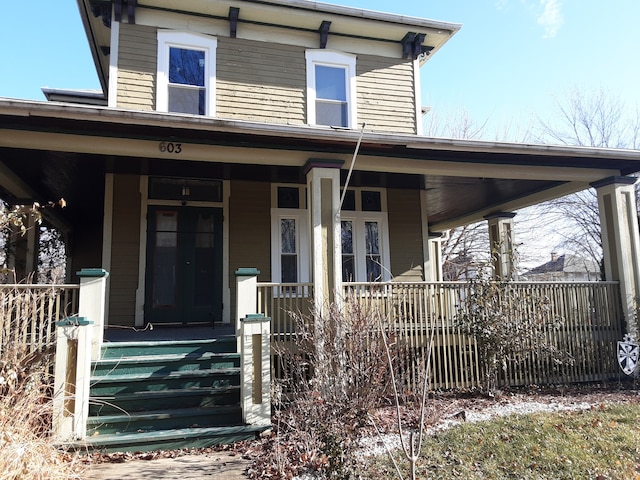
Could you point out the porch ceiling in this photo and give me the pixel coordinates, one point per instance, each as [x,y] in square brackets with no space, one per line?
[61,151]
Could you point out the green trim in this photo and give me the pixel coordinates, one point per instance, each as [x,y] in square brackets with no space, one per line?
[255,318]
[247,272]
[74,322]
[92,272]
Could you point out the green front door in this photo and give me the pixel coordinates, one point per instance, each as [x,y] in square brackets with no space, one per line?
[184,265]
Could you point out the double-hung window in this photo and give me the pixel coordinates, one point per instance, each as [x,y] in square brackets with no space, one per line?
[289,235]
[331,88]
[364,237]
[186,73]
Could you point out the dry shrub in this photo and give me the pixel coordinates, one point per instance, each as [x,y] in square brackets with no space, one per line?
[337,373]
[27,450]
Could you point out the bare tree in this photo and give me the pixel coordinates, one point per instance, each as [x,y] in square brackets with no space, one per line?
[594,119]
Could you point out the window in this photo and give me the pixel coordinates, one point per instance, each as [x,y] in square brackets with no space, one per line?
[186,73]
[365,237]
[289,235]
[331,88]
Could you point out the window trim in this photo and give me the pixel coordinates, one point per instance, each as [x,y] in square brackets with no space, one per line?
[359,218]
[335,59]
[302,242]
[205,43]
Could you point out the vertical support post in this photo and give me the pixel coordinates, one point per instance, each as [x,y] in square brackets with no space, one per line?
[72,374]
[92,304]
[246,297]
[501,242]
[256,370]
[323,184]
[621,241]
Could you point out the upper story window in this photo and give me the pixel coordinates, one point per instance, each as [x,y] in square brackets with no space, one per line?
[331,88]
[186,73]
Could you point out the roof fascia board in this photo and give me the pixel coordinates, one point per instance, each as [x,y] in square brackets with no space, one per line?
[418,143]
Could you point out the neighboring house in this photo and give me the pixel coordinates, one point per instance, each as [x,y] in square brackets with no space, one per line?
[564,268]
[224,136]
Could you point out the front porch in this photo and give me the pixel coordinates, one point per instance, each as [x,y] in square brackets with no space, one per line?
[583,319]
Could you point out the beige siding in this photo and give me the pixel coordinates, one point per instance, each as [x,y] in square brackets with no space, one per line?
[137,65]
[249,231]
[405,234]
[261,82]
[386,94]
[266,82]
[125,247]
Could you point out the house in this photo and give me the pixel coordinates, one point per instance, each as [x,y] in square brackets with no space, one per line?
[283,136]
[565,268]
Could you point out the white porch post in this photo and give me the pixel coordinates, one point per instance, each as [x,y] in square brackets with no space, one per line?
[78,342]
[92,304]
[256,369]
[246,297]
[71,383]
[323,185]
[621,241]
[501,241]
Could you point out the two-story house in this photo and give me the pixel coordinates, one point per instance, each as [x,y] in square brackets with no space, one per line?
[280,135]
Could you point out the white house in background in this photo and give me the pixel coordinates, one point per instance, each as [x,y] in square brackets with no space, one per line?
[565,268]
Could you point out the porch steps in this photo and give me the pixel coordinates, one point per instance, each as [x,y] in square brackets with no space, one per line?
[156,395]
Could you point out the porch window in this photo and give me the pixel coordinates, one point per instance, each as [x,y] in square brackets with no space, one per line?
[186,73]
[365,237]
[331,88]
[289,235]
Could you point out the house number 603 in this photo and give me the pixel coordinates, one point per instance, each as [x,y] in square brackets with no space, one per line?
[170,147]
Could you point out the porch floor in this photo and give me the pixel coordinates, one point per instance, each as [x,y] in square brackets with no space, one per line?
[160,332]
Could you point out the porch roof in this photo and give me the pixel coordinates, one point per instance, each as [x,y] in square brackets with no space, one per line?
[52,149]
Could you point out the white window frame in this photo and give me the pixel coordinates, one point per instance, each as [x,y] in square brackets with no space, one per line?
[332,58]
[359,245]
[192,41]
[301,217]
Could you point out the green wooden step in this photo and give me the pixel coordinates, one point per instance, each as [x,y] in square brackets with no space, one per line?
[129,383]
[171,439]
[164,399]
[217,416]
[165,362]
[162,347]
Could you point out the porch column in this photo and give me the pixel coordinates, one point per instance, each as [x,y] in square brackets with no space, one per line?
[501,241]
[323,186]
[246,297]
[92,304]
[432,251]
[620,241]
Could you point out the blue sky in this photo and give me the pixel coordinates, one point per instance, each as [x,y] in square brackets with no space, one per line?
[507,63]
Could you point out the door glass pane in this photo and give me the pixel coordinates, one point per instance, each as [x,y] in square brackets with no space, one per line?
[289,268]
[348,259]
[288,235]
[204,259]
[372,245]
[288,252]
[165,257]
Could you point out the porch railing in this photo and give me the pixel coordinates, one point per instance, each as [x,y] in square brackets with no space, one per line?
[584,321]
[28,313]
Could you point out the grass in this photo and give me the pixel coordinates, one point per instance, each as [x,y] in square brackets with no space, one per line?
[602,443]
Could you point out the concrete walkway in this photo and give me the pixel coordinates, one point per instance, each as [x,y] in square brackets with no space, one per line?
[211,466]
